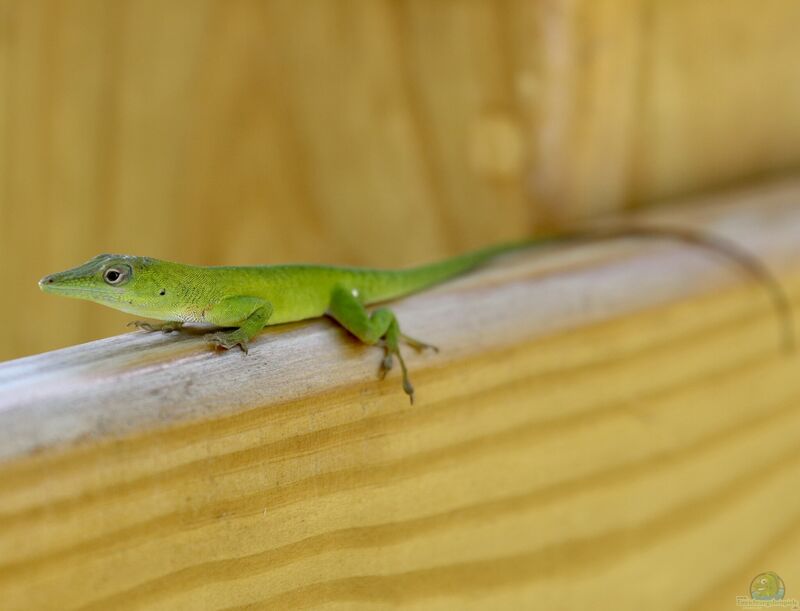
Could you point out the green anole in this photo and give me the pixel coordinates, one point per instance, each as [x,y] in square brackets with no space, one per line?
[246,299]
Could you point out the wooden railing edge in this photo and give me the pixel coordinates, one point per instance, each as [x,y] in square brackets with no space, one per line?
[136,381]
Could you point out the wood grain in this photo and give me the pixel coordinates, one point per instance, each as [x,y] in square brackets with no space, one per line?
[380,132]
[601,423]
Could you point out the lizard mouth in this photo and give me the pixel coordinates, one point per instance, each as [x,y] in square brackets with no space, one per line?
[50,284]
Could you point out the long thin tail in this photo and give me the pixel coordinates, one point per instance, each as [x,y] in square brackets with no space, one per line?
[422,277]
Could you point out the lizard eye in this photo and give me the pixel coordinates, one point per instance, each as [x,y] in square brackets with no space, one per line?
[115,275]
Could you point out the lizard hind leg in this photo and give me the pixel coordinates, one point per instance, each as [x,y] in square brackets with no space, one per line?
[379,327]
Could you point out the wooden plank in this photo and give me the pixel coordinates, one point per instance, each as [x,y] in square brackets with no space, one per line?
[599,415]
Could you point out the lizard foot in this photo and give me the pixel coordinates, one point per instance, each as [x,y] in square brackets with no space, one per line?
[227,340]
[164,327]
[386,364]
[416,344]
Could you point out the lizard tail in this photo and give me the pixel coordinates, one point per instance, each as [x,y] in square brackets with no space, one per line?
[407,281]
[419,278]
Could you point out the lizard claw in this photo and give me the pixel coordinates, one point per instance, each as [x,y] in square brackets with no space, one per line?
[409,390]
[142,325]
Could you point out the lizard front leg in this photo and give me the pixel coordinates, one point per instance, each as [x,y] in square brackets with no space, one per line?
[248,314]
[165,327]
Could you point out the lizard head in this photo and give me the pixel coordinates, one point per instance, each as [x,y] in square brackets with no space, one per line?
[135,285]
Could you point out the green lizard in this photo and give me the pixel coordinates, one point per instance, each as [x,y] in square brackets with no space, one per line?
[246,299]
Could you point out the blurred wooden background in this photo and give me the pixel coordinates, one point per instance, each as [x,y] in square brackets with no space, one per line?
[374,132]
